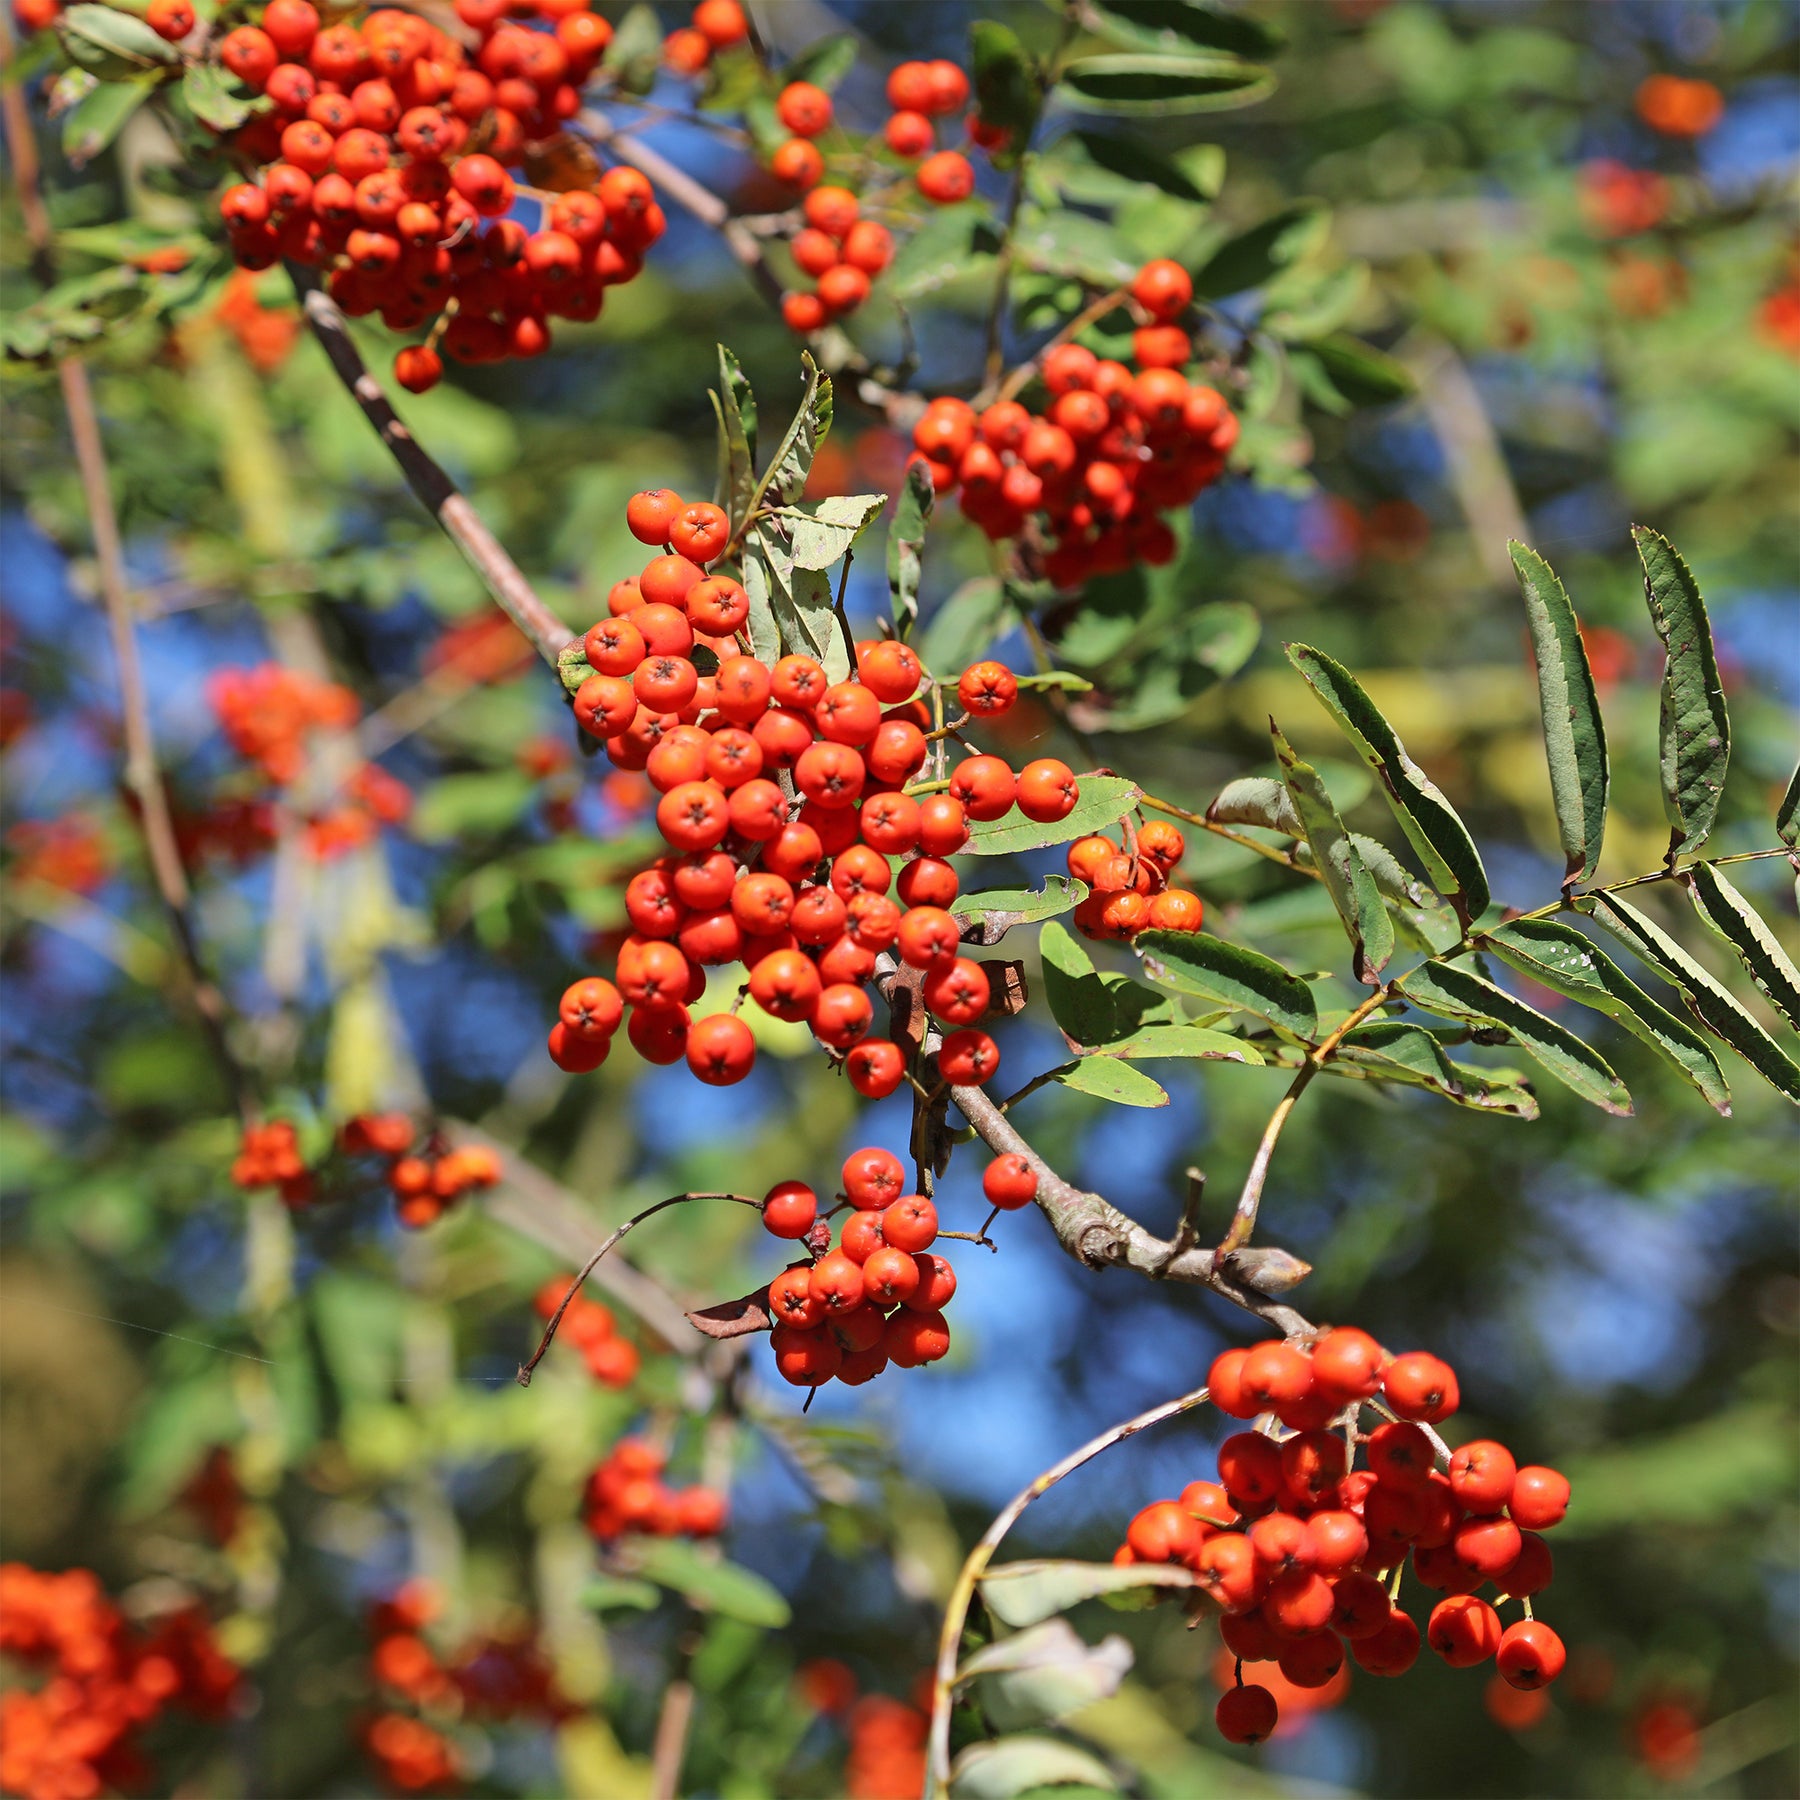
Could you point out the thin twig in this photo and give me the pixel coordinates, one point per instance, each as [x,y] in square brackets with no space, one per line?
[956,1613]
[1021,377]
[575,1286]
[843,618]
[436,491]
[1269,851]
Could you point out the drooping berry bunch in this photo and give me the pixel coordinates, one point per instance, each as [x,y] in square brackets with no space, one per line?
[627,1494]
[106,1681]
[1128,884]
[878,1297]
[1114,447]
[591,1328]
[784,795]
[269,1156]
[427,1181]
[1304,1553]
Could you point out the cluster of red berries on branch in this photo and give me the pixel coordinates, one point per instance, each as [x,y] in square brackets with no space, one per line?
[591,1328]
[1115,446]
[104,1681]
[426,1180]
[1129,884]
[1303,1553]
[785,802]
[267,713]
[494,1678]
[626,1494]
[269,1156]
[886,1735]
[70,853]
[878,1297]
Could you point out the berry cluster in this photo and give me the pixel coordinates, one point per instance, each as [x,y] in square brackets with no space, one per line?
[386,157]
[841,251]
[74,1735]
[70,853]
[425,1181]
[1129,884]
[269,1156]
[628,1494]
[591,1328]
[1113,449]
[1300,1550]
[794,888]
[887,1736]
[878,1297]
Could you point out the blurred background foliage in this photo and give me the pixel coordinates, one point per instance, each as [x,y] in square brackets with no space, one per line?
[1603,323]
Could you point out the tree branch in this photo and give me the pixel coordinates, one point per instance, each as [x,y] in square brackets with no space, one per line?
[436,491]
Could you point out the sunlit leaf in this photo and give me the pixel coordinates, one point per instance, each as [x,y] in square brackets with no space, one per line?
[1023,1593]
[1002,1768]
[1045,1672]
[820,537]
[604,1593]
[999,909]
[1107,1078]
[1696,733]
[1735,920]
[713,1586]
[1105,799]
[1156,1041]
[1233,974]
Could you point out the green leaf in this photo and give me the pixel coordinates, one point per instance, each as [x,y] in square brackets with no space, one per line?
[1079,1000]
[1787,814]
[1194,962]
[759,586]
[1107,1078]
[604,1593]
[93,123]
[1105,799]
[735,406]
[1178,24]
[1129,161]
[824,62]
[1396,1051]
[1254,257]
[1743,928]
[720,1587]
[635,52]
[113,44]
[820,537]
[1071,243]
[1163,86]
[215,97]
[1428,819]
[906,547]
[1310,303]
[1043,1673]
[1007,92]
[956,241]
[967,622]
[784,480]
[1711,1004]
[1256,800]
[800,601]
[1455,993]
[1559,957]
[1158,1041]
[1696,734]
[1024,1593]
[1426,920]
[478,803]
[1346,876]
[1001,1768]
[1574,734]
[1364,375]
[999,909]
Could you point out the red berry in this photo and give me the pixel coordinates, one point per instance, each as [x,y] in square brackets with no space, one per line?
[1010,1181]
[1530,1655]
[1246,1715]
[789,1209]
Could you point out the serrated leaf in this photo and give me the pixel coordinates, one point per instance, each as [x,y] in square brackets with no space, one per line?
[1340,865]
[1079,1000]
[1430,822]
[93,123]
[1175,24]
[784,480]
[1129,161]
[998,910]
[1787,814]
[1396,1051]
[1194,962]
[735,406]
[1007,93]
[1045,1673]
[1696,733]
[1735,920]
[603,1593]
[713,1586]
[1364,375]
[1425,919]
[1105,799]
[1254,257]
[1025,1593]
[824,62]
[1711,1004]
[1256,800]
[819,538]
[1107,1078]
[1001,1768]
[1162,85]
[1158,1041]
[906,547]
[1559,957]
[1574,733]
[1455,993]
